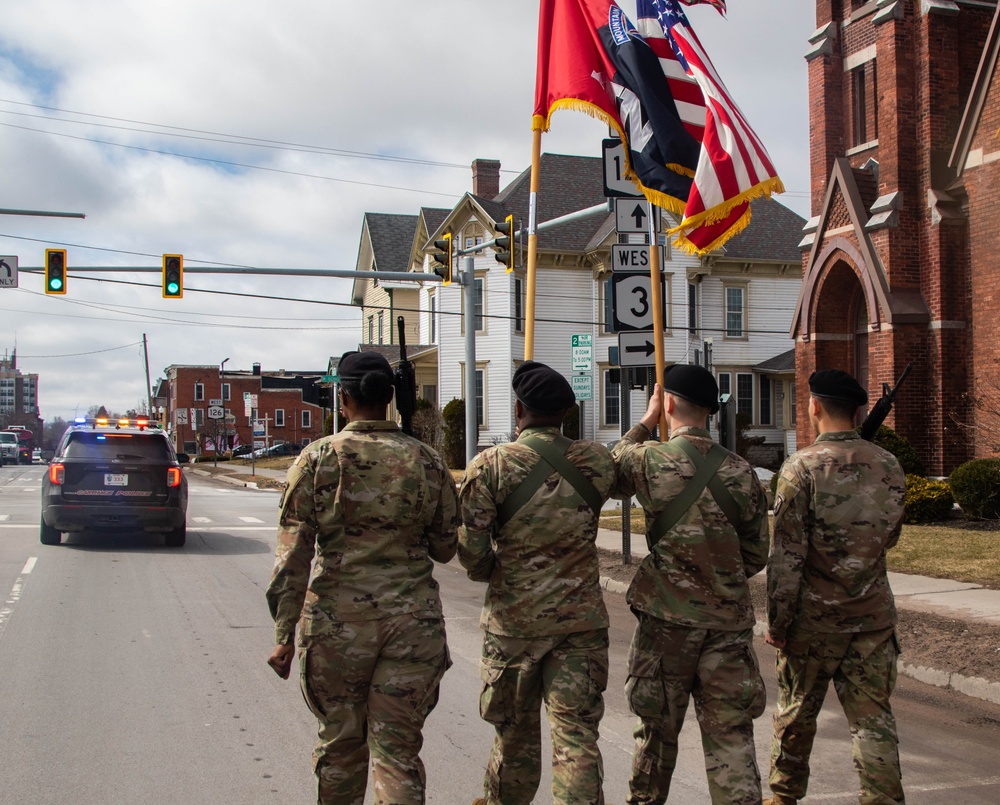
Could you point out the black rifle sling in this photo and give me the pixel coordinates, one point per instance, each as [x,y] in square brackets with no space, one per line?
[552,458]
[705,475]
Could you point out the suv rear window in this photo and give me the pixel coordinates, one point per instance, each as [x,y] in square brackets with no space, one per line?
[123,446]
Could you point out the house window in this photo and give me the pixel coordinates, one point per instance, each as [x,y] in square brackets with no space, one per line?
[791,403]
[744,395]
[735,311]
[279,417]
[518,305]
[859,112]
[429,392]
[692,307]
[199,392]
[611,394]
[473,240]
[225,392]
[306,420]
[477,313]
[725,383]
[765,401]
[371,329]
[481,397]
[433,319]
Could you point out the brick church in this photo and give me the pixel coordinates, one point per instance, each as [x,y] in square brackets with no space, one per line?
[902,256]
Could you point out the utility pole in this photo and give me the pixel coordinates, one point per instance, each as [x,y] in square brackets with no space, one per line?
[149,390]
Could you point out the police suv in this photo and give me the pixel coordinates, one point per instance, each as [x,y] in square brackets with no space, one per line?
[115,475]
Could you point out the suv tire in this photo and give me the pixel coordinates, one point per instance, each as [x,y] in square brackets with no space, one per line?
[176,538]
[49,535]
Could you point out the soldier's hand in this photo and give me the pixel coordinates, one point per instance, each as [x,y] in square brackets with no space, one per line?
[652,416]
[281,660]
[779,644]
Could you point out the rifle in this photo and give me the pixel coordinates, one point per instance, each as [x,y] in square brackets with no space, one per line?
[405,381]
[882,408]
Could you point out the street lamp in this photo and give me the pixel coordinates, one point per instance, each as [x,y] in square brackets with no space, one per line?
[222,397]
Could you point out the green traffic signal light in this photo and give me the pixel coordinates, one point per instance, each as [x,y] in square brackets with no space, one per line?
[443,258]
[504,245]
[55,271]
[173,276]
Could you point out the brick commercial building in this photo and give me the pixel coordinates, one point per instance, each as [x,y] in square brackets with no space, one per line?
[901,256]
[291,404]
[19,398]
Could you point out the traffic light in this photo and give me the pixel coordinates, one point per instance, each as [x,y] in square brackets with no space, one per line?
[443,258]
[173,276]
[503,249]
[55,271]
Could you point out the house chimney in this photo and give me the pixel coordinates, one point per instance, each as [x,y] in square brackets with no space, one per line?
[256,370]
[486,178]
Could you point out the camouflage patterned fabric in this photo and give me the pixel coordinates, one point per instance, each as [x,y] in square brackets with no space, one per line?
[542,567]
[667,666]
[694,634]
[545,620]
[370,685]
[838,508]
[363,514]
[569,672]
[697,574]
[863,669]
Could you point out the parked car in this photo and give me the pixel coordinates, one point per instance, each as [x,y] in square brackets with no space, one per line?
[121,475]
[278,450]
[242,450]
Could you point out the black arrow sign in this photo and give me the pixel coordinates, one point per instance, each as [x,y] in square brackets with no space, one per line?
[639,213]
[4,265]
[648,348]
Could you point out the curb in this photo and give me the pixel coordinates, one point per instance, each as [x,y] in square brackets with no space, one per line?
[972,686]
[233,481]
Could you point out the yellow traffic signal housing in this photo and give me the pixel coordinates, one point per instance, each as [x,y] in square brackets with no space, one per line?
[443,258]
[504,245]
[173,276]
[55,271]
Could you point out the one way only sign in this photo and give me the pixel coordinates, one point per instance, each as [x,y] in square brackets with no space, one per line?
[636,349]
[8,271]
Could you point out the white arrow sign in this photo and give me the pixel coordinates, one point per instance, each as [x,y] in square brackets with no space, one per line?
[8,271]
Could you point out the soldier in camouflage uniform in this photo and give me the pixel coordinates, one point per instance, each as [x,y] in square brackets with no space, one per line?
[544,616]
[366,509]
[690,595]
[837,509]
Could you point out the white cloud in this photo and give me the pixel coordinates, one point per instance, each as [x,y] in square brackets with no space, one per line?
[444,81]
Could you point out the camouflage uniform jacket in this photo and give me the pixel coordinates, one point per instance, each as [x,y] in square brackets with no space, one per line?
[837,508]
[696,575]
[542,566]
[373,507]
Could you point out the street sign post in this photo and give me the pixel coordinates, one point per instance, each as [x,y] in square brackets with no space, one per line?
[636,348]
[633,301]
[582,346]
[8,271]
[583,387]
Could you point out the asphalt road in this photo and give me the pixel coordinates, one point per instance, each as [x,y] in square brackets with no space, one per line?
[130,672]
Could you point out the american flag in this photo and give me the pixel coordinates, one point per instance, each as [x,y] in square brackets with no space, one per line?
[734,166]
[720,5]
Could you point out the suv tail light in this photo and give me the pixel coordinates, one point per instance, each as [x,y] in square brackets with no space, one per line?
[57,474]
[173,476]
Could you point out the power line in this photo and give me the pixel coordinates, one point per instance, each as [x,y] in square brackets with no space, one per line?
[78,354]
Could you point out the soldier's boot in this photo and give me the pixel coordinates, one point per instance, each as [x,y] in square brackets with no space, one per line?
[775,799]
[478,801]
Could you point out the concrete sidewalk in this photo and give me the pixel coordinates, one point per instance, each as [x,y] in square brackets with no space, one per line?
[951,599]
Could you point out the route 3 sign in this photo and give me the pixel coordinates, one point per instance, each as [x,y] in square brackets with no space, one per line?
[632,301]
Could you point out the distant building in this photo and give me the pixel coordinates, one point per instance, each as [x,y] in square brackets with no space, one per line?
[901,261]
[289,403]
[19,397]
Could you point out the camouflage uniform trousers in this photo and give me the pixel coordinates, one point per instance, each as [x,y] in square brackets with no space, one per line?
[668,665]
[371,684]
[863,669]
[569,672]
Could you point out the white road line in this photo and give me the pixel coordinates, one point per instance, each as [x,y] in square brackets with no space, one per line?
[251,520]
[201,519]
[17,525]
[15,595]
[4,517]
[239,528]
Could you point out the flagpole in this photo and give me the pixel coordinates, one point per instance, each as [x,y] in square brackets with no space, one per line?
[529,324]
[655,296]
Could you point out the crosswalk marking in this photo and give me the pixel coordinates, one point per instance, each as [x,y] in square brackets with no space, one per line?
[201,519]
[4,517]
[251,520]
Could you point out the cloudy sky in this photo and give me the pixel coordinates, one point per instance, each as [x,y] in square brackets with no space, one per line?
[257,133]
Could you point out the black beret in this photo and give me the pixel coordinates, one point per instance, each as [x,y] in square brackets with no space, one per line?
[694,383]
[835,384]
[542,388]
[355,365]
